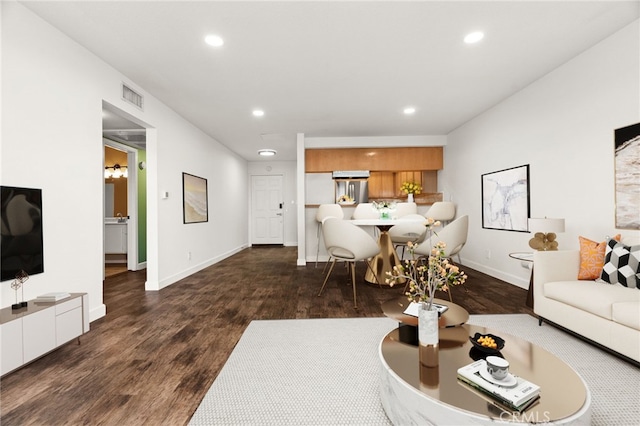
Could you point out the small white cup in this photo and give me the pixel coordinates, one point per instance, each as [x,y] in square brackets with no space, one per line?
[497,367]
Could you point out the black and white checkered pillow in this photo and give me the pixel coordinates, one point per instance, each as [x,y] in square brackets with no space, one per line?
[621,264]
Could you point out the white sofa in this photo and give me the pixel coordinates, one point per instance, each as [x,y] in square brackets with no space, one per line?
[606,314]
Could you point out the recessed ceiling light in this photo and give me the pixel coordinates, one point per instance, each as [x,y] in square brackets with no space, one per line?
[474,37]
[258,112]
[267,152]
[214,40]
[409,110]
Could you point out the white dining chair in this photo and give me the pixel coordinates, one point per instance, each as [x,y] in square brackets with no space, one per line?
[404,209]
[411,228]
[325,211]
[365,211]
[349,243]
[444,211]
[454,235]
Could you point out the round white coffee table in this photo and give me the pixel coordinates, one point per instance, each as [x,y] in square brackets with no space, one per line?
[413,394]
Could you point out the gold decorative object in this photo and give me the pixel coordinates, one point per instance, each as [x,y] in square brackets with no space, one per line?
[544,230]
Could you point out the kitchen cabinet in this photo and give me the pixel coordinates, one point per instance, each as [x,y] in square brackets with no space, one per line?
[374,159]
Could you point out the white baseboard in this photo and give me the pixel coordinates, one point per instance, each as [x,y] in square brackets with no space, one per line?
[495,273]
[149,286]
[97,313]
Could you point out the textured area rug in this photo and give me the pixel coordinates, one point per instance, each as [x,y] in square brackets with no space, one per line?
[325,372]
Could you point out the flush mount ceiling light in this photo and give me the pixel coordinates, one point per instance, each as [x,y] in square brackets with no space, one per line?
[214,40]
[409,110]
[258,112]
[267,152]
[474,37]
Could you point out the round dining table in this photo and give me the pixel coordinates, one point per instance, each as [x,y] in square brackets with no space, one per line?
[383,262]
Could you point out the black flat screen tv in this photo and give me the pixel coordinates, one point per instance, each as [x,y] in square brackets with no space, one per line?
[22,248]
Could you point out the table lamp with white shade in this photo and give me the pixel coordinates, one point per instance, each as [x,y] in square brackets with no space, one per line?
[544,230]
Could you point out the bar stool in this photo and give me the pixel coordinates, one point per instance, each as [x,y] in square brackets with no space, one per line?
[325,211]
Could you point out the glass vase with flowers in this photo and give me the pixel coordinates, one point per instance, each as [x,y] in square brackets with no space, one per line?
[424,276]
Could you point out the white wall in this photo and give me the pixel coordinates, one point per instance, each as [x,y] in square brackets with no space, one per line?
[562,126]
[288,170]
[52,94]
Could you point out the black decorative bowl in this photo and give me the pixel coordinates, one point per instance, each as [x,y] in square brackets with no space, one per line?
[499,342]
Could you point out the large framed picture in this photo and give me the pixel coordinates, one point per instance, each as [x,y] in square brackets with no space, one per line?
[194,198]
[627,177]
[505,199]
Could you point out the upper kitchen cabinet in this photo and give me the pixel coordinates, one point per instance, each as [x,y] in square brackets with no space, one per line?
[374,159]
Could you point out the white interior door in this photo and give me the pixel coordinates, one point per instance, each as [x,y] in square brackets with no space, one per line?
[267,204]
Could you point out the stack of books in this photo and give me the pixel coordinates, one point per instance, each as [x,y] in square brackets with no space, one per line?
[414,308]
[51,297]
[517,396]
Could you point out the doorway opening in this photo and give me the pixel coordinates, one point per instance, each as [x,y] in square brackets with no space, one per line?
[124,189]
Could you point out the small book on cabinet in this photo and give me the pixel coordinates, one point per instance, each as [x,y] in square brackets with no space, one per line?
[52,297]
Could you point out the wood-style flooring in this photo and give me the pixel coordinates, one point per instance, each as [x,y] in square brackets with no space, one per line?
[111,269]
[152,358]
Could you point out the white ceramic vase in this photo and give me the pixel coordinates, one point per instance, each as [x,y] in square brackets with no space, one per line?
[428,335]
[410,198]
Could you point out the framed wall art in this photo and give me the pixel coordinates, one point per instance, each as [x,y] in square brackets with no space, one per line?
[505,199]
[194,199]
[627,177]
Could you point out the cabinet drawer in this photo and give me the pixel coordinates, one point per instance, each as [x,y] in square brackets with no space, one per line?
[63,307]
[39,334]
[68,326]
[11,349]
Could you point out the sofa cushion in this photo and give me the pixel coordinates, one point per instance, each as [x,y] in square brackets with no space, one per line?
[591,296]
[627,313]
[622,264]
[592,257]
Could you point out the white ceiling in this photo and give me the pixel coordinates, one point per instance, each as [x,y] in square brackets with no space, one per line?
[333,68]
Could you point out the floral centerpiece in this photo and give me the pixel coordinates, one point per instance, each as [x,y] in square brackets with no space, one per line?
[411,188]
[426,275]
[384,208]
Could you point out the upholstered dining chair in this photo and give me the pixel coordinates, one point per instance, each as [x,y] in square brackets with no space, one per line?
[444,211]
[325,211]
[454,235]
[349,243]
[365,211]
[403,209]
[410,228]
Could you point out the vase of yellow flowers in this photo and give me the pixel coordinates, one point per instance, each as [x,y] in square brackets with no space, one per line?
[410,188]
[424,276]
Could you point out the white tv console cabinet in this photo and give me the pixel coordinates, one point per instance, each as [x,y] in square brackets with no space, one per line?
[31,332]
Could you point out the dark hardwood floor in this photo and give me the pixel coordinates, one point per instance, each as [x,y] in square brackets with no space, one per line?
[153,357]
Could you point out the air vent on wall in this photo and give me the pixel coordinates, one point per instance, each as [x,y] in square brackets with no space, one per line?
[131,96]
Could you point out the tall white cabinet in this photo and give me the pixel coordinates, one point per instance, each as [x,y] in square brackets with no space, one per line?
[29,333]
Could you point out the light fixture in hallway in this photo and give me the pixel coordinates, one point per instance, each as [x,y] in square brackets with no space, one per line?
[116,171]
